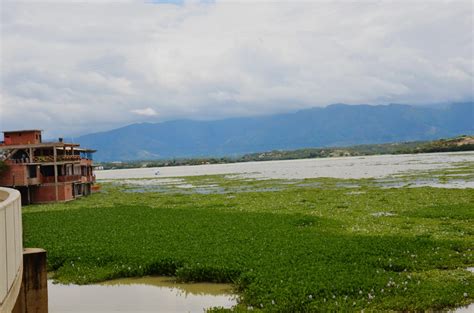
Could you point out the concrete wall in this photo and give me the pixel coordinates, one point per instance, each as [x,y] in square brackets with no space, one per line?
[11,248]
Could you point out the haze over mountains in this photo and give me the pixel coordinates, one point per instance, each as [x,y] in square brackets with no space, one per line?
[334,125]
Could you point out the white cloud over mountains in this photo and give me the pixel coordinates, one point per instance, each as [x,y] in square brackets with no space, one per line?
[145,112]
[73,67]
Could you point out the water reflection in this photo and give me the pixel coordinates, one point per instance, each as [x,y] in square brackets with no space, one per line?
[170,282]
[147,294]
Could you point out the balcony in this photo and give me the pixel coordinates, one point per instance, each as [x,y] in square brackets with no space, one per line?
[19,161]
[88,179]
[86,162]
[61,179]
[59,158]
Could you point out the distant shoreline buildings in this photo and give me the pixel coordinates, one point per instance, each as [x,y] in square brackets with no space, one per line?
[45,171]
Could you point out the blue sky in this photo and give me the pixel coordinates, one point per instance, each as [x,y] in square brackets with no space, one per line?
[75,67]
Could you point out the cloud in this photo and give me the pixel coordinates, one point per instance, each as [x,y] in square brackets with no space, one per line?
[74,67]
[145,112]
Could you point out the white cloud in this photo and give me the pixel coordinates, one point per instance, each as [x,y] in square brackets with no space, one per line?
[145,112]
[74,67]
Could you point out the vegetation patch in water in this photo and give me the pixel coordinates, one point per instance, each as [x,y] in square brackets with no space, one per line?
[310,245]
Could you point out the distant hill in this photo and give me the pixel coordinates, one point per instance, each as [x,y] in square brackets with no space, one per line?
[335,125]
[457,144]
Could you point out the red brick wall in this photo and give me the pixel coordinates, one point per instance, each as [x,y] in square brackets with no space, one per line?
[43,194]
[66,193]
[48,193]
[22,138]
[19,170]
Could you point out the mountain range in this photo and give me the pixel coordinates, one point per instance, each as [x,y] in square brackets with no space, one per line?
[334,125]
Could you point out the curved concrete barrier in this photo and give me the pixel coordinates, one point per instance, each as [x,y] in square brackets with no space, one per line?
[11,248]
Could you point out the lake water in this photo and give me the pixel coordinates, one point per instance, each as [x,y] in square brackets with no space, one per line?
[378,166]
[139,295]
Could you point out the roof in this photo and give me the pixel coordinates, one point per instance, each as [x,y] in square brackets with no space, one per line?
[38,145]
[22,131]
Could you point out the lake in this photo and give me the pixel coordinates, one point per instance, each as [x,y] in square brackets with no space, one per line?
[378,166]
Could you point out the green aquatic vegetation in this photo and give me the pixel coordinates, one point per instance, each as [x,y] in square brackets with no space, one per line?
[299,245]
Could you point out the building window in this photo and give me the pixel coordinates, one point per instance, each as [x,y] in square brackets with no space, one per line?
[32,171]
[47,170]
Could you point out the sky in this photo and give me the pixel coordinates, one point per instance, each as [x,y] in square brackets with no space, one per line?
[77,67]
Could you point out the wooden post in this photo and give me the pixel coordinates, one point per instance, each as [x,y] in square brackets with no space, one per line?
[33,297]
[28,192]
[55,157]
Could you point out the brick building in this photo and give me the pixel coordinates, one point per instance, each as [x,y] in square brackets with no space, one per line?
[45,171]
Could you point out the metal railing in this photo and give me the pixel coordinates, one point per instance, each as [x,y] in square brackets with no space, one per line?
[11,247]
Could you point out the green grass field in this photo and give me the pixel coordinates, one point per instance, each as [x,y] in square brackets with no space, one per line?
[287,246]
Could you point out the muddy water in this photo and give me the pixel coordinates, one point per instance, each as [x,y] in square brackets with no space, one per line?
[140,295]
[465,309]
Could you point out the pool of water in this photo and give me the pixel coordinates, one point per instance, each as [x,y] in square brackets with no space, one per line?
[139,295]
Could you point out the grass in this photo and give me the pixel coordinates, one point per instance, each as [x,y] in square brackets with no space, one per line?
[288,246]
